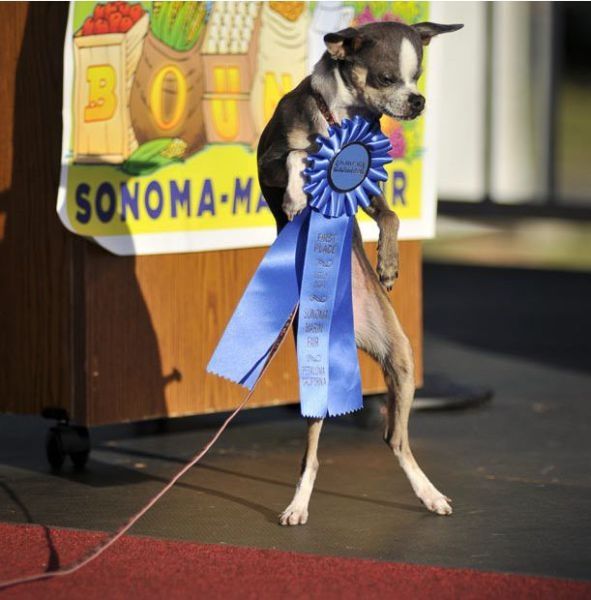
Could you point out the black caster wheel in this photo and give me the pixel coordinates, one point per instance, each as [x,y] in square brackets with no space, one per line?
[66,440]
[54,449]
[80,459]
[80,447]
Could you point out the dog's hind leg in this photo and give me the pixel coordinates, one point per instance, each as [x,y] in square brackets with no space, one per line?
[378,332]
[297,511]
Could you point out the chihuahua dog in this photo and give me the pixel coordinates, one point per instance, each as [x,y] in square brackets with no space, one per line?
[369,71]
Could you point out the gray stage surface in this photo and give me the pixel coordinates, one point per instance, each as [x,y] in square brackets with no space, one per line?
[517,470]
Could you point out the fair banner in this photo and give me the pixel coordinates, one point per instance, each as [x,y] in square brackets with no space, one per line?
[164,103]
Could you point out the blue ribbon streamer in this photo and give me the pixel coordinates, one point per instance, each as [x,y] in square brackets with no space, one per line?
[263,310]
[310,264]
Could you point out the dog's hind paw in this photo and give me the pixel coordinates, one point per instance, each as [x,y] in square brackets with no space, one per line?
[293,515]
[438,503]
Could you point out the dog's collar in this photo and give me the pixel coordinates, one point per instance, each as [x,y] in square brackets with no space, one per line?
[323,108]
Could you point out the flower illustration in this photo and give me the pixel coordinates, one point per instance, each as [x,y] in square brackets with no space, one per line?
[365,16]
[395,132]
[398,142]
[373,14]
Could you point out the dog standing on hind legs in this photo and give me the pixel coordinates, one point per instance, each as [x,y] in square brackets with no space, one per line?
[369,71]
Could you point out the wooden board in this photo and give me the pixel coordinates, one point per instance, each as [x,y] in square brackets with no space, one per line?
[153,319]
[35,249]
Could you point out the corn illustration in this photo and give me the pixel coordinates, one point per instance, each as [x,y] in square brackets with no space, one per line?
[231,26]
[175,149]
[178,24]
[154,155]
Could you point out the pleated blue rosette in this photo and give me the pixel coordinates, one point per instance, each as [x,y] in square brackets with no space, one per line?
[309,265]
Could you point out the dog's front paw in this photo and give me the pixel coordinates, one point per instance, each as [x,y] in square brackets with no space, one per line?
[294,515]
[387,267]
[294,202]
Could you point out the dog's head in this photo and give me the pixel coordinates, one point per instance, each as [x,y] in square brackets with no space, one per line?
[382,63]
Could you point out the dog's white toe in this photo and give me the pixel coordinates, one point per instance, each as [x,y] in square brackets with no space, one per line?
[442,507]
[438,504]
[294,202]
[293,515]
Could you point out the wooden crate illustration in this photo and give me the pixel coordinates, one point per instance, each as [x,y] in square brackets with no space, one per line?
[230,47]
[104,70]
[228,118]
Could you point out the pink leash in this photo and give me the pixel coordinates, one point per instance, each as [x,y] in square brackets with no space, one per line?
[98,550]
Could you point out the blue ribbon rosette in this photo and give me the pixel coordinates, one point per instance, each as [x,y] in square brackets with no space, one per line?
[309,265]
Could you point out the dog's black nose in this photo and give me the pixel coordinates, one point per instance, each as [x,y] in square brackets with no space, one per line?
[417,102]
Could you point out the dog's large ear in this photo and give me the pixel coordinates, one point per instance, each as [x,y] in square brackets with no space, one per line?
[343,43]
[428,30]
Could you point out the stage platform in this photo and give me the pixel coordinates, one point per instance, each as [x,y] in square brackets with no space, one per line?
[516,468]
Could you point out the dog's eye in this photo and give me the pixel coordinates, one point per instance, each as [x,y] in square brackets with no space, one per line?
[386,80]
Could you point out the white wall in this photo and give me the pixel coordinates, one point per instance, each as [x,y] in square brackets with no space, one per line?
[461,100]
[495,89]
[512,153]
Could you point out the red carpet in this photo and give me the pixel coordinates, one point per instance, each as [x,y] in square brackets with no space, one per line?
[150,568]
